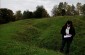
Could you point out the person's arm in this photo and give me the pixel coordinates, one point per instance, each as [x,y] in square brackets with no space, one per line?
[74,32]
[62,31]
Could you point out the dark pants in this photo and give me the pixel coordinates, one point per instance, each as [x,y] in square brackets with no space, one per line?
[64,42]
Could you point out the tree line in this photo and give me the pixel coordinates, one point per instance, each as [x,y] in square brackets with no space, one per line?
[7,15]
[65,9]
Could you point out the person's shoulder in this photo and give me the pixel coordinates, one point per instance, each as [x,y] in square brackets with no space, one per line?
[73,28]
[63,27]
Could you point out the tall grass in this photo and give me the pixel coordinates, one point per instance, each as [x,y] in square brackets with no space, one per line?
[40,36]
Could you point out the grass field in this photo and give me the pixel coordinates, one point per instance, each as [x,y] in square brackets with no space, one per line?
[40,36]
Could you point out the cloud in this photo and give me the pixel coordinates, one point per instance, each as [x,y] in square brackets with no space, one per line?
[31,4]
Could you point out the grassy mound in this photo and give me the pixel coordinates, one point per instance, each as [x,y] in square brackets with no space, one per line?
[40,36]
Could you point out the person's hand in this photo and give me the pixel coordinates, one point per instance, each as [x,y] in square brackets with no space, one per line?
[69,34]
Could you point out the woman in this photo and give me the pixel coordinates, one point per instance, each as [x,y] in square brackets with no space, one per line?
[68,32]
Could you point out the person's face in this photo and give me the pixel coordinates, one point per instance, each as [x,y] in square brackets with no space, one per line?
[68,25]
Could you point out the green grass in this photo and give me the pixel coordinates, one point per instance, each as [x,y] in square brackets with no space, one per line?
[40,36]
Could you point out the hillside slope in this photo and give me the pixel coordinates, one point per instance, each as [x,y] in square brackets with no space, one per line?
[40,36]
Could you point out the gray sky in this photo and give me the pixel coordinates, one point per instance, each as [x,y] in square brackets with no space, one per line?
[31,4]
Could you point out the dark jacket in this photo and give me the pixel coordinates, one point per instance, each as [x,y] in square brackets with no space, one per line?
[71,31]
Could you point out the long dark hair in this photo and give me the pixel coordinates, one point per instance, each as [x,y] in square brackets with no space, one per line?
[69,22]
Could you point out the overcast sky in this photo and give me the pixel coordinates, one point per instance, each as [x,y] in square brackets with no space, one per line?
[31,4]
